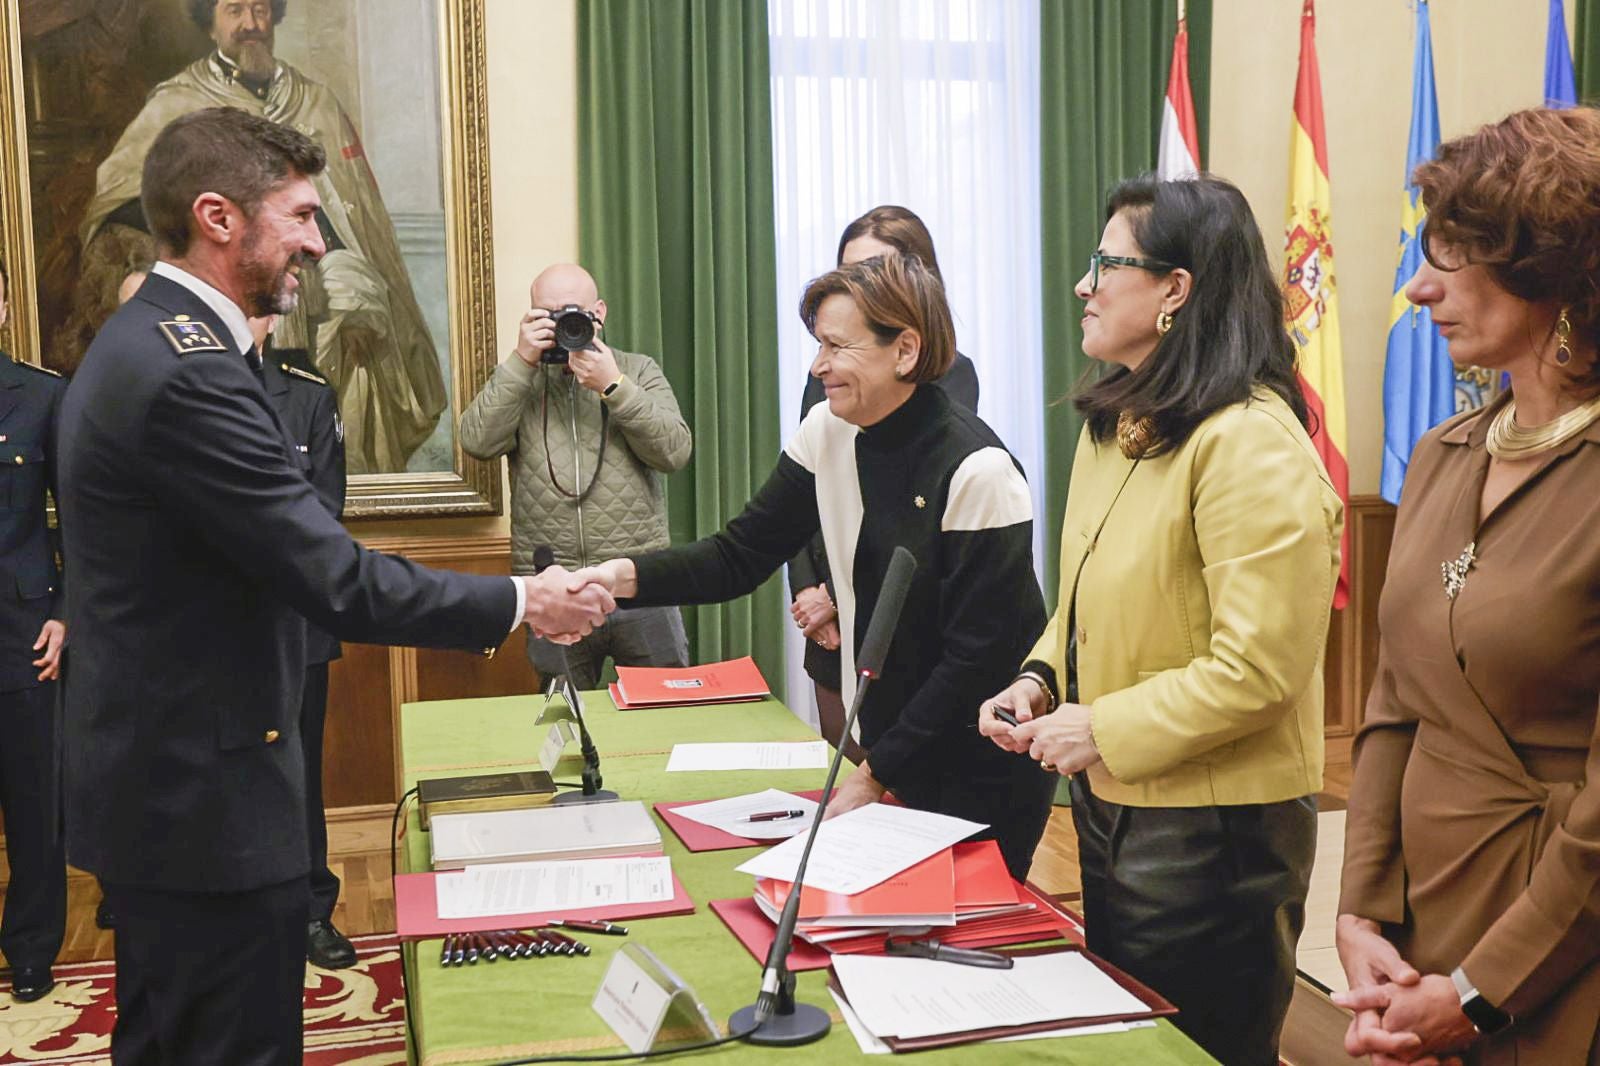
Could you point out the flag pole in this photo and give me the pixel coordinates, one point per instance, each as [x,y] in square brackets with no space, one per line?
[1183,11]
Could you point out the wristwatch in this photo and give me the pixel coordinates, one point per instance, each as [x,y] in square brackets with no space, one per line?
[1484,1016]
[609,389]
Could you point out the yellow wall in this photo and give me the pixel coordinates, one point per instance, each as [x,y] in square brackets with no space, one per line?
[1488,60]
[1489,57]
[533,177]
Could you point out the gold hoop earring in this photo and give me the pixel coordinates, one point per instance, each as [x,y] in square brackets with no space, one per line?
[1563,339]
[1163,323]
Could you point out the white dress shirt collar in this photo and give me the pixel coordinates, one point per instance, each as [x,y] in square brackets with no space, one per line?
[226,309]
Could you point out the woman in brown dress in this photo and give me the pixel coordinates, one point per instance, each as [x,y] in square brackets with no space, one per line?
[1469,920]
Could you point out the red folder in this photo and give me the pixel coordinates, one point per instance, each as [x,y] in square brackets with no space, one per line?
[416,910]
[665,686]
[697,837]
[752,929]
[920,894]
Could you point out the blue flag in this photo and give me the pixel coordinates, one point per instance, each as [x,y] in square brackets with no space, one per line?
[1560,84]
[1419,381]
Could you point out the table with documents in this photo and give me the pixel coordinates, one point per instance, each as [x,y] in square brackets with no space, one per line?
[513,1009]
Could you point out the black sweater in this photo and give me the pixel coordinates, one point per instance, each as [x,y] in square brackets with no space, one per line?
[934,478]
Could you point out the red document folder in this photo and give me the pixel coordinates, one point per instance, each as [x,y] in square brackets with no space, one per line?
[924,894]
[697,837]
[663,686]
[416,910]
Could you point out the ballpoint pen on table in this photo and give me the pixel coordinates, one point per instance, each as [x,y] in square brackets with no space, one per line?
[933,949]
[584,925]
[775,816]
[446,948]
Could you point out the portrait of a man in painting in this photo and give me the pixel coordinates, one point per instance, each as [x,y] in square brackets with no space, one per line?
[103,77]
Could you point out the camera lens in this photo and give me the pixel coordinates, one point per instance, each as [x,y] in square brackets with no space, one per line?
[574,328]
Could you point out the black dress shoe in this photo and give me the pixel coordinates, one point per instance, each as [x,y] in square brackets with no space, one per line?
[328,948]
[31,983]
[104,917]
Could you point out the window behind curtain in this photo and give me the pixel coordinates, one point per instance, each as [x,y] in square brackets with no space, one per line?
[933,105]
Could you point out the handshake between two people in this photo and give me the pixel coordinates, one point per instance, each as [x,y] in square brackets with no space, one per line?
[564,606]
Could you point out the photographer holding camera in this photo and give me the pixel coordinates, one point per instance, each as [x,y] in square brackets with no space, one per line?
[590,430]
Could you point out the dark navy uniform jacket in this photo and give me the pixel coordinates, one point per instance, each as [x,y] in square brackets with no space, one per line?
[195,546]
[30,586]
[309,410]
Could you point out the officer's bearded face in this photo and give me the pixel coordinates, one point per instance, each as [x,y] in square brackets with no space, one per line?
[280,239]
[243,32]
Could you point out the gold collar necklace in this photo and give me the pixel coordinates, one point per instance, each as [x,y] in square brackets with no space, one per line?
[1509,441]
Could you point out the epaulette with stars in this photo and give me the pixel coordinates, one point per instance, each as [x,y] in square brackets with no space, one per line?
[186,335]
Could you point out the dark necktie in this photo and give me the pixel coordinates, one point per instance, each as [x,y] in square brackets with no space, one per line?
[252,359]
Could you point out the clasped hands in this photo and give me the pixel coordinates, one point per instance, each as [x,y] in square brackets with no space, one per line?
[1061,741]
[564,606]
[1401,1015]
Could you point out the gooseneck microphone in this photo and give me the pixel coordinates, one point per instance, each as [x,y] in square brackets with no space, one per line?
[775,1018]
[544,557]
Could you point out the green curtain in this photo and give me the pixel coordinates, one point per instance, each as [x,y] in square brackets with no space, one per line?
[1103,72]
[1586,51]
[676,223]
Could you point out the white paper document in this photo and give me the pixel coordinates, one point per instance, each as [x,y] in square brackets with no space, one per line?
[538,887]
[864,847]
[732,815]
[765,755]
[911,998]
[871,1045]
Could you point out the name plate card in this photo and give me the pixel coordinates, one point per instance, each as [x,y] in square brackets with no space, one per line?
[638,996]
[555,742]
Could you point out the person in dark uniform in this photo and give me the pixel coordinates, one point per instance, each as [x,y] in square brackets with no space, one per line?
[31,636]
[309,410]
[884,230]
[197,549]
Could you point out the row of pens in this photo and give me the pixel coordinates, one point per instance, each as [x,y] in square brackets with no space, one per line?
[465,949]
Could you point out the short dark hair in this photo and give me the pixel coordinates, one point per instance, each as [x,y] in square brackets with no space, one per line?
[1230,336]
[222,150]
[899,228]
[204,12]
[894,292]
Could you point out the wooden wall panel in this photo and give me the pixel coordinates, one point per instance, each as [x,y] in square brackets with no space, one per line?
[1353,635]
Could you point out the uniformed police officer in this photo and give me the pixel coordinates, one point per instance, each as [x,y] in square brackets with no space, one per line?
[196,549]
[309,410]
[31,635]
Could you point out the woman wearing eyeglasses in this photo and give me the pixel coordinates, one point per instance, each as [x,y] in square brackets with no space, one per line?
[1179,683]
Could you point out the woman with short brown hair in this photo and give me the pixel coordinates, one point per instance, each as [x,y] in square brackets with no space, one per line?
[1469,919]
[888,460]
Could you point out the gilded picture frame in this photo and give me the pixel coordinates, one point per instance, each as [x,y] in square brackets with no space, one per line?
[436,183]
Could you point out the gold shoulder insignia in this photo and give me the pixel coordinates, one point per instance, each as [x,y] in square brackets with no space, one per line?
[308,375]
[40,369]
[186,335]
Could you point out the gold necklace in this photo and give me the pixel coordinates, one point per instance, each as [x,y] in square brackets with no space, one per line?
[1509,441]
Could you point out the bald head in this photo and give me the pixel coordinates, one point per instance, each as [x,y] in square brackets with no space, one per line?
[563,284]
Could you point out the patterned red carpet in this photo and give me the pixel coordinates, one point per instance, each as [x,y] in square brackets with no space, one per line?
[354,1017]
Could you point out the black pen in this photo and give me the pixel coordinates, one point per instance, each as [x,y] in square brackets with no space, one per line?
[775,816]
[585,925]
[1006,716]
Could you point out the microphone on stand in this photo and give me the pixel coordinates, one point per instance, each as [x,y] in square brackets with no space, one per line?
[775,1018]
[544,558]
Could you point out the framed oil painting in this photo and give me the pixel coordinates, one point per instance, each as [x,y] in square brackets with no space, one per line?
[398,315]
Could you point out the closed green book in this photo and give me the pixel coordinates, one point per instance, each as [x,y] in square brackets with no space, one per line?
[484,792]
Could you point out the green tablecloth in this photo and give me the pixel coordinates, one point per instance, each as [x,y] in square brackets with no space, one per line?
[491,1012]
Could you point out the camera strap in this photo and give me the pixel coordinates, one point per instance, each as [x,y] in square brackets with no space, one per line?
[600,456]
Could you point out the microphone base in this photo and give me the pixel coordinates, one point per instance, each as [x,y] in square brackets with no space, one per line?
[802,1026]
[604,795]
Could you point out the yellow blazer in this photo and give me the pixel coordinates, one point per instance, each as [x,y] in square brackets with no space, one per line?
[1203,579]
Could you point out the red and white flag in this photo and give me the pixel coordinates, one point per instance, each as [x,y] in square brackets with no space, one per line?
[1179,155]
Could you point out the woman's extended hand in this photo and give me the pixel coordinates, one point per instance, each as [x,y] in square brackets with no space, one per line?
[1025,698]
[858,790]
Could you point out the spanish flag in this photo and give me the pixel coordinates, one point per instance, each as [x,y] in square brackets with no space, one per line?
[1309,281]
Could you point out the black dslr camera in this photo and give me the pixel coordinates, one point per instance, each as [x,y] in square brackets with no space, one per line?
[574,330]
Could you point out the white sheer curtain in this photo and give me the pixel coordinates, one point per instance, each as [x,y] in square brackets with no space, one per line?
[933,105]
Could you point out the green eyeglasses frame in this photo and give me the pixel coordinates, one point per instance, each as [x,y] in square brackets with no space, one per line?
[1098,259]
